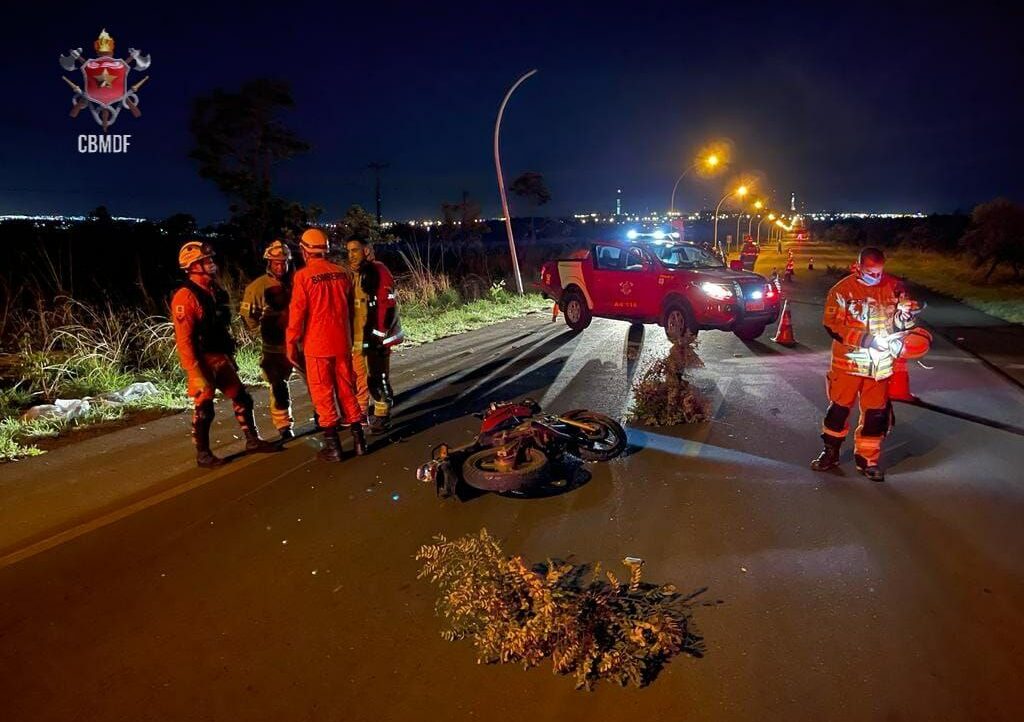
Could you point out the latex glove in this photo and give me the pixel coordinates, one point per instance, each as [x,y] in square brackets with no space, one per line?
[895,346]
[880,343]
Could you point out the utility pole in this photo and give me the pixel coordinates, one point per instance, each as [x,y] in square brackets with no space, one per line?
[377,168]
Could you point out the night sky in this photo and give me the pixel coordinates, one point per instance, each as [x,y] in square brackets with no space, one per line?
[886,108]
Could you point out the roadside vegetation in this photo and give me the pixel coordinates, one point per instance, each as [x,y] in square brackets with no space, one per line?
[977,259]
[591,625]
[665,395]
[69,349]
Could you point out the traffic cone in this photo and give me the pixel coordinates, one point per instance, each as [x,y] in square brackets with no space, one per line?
[899,382]
[554,312]
[784,335]
[810,264]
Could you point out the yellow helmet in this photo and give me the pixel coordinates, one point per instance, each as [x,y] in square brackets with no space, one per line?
[314,241]
[192,252]
[277,251]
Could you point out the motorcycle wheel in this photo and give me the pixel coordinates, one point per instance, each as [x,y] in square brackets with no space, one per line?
[608,442]
[479,471]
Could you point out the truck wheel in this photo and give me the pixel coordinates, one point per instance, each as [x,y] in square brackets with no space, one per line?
[574,308]
[676,321]
[749,331]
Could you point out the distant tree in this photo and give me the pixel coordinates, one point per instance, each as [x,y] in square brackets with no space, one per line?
[531,187]
[358,223]
[100,213]
[179,227]
[238,140]
[461,232]
[996,236]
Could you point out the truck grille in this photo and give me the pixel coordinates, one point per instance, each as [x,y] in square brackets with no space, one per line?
[743,290]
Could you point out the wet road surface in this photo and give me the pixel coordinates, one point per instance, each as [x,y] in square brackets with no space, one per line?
[280,588]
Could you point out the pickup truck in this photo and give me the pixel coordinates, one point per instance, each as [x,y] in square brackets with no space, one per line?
[681,286]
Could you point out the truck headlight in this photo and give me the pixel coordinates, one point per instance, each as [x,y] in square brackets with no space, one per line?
[717,291]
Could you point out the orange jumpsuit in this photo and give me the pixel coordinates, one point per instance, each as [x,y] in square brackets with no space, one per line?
[855,314]
[318,319]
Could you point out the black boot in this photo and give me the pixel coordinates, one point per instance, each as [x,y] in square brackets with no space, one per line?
[358,440]
[331,450]
[871,471]
[255,445]
[247,421]
[286,433]
[202,419]
[829,457]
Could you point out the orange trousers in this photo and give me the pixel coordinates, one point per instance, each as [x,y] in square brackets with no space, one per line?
[332,385]
[217,372]
[875,412]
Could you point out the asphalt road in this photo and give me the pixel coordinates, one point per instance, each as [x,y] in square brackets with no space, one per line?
[281,588]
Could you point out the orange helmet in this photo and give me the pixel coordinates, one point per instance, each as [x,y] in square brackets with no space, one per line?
[277,251]
[193,252]
[314,241]
[916,343]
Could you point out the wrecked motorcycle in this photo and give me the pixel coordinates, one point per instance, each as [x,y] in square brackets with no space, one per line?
[516,445]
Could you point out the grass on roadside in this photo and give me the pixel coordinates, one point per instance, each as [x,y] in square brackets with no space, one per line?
[74,350]
[1001,296]
[447,315]
[17,437]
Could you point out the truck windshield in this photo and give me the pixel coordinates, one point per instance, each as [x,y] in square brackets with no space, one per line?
[686,256]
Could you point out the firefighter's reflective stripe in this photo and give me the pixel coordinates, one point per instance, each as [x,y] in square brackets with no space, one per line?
[854,315]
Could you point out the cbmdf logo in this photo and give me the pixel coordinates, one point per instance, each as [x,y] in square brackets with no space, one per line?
[105,91]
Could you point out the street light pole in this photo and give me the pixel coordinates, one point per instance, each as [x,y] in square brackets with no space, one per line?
[672,203]
[501,180]
[717,209]
[759,229]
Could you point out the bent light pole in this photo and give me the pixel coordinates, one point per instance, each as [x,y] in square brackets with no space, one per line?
[501,181]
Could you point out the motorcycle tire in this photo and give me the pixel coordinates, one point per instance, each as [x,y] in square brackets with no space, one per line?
[476,473]
[612,441]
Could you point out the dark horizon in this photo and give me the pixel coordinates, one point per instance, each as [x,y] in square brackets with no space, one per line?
[888,109]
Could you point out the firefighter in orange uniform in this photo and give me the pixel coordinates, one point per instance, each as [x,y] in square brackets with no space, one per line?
[318,319]
[202,332]
[375,330]
[264,309]
[749,252]
[865,314]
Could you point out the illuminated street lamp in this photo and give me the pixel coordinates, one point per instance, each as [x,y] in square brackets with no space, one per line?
[710,161]
[741,191]
[758,205]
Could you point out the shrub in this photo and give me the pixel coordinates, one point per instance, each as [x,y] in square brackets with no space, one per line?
[592,628]
[664,395]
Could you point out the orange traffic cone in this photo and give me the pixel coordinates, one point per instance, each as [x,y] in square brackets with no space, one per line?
[784,336]
[554,312]
[899,382]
